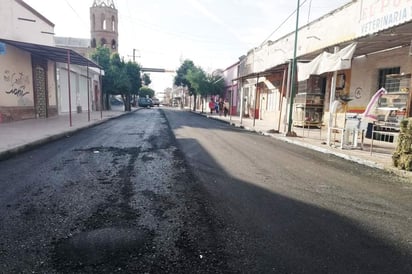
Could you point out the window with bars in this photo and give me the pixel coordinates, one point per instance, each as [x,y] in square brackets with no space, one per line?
[389,83]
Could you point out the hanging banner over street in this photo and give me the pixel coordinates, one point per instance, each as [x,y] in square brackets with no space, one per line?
[327,62]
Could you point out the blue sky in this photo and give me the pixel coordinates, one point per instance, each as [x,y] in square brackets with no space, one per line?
[211,33]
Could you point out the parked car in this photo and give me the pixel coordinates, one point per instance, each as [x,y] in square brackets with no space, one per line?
[144,102]
[156,102]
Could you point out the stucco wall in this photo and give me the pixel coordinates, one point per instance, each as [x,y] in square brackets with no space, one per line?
[365,74]
[78,87]
[16,79]
[29,28]
[353,20]
[229,74]
[316,35]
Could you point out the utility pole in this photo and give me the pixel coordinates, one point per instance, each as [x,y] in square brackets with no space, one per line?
[293,84]
[134,55]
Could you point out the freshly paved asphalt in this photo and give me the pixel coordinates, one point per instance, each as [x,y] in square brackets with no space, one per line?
[16,137]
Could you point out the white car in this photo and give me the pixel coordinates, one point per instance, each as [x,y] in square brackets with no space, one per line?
[156,102]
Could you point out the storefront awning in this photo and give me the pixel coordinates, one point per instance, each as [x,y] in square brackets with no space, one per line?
[52,53]
[254,75]
[327,62]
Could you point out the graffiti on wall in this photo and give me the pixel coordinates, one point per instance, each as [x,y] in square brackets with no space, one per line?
[16,82]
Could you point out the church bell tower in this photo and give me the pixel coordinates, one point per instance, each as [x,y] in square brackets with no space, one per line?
[104,25]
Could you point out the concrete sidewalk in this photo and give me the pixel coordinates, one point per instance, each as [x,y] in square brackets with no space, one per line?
[20,136]
[379,157]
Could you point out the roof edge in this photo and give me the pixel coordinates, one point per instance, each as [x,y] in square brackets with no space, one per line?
[56,54]
[35,12]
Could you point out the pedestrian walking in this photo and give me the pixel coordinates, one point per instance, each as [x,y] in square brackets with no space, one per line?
[211,105]
[226,107]
[221,104]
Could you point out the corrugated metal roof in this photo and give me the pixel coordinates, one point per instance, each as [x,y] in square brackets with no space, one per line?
[52,53]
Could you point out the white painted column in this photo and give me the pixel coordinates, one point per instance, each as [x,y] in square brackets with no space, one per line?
[331,99]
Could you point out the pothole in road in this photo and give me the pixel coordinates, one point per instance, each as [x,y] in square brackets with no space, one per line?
[99,246]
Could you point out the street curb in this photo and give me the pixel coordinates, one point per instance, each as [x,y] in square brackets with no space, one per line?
[372,164]
[322,150]
[7,154]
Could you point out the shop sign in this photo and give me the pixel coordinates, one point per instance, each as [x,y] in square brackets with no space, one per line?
[377,15]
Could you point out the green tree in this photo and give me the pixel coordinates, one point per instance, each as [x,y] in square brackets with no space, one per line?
[181,78]
[146,79]
[198,82]
[121,81]
[133,70]
[146,92]
[197,79]
[120,78]
[102,56]
[216,84]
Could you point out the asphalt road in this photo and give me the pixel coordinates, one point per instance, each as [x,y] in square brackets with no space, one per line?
[292,210]
[116,198]
[169,191]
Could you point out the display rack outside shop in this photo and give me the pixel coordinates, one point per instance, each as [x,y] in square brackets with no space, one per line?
[308,110]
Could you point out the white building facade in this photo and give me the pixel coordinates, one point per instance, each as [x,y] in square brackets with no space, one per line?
[380,32]
[29,84]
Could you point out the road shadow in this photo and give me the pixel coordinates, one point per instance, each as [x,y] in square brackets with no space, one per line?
[267,232]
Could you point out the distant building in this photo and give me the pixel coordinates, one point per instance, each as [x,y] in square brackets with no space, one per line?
[166,97]
[103,30]
[79,45]
[80,98]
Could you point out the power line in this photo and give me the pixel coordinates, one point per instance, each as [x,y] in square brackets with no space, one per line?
[206,40]
[310,7]
[67,2]
[281,25]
